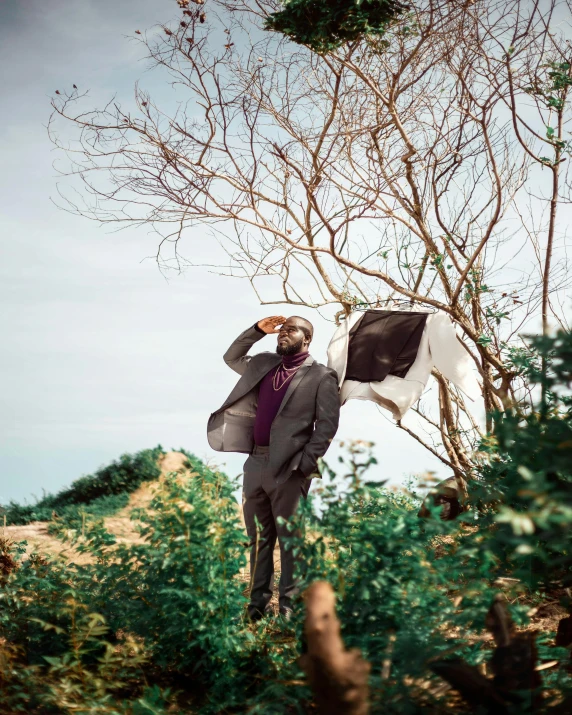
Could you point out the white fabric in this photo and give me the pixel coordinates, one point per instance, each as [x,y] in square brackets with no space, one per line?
[439,347]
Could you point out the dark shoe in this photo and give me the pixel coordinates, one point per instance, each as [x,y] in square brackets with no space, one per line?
[286,613]
[255,614]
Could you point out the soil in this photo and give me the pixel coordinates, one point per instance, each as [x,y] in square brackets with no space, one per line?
[120,524]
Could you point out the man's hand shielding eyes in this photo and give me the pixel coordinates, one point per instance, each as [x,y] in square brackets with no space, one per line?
[271,325]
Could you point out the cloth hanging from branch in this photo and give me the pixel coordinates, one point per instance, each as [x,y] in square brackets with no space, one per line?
[398,349]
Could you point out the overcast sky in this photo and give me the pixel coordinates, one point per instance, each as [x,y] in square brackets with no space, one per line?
[101,354]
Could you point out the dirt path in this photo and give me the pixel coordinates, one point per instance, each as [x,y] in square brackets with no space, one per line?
[36,534]
[120,524]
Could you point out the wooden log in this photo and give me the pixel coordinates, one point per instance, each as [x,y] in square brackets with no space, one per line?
[338,677]
[516,681]
[445,494]
[514,660]
[476,690]
[564,633]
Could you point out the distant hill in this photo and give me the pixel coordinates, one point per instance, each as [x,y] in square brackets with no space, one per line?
[111,494]
[104,492]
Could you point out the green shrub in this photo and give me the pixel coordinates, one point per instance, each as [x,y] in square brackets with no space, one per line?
[159,626]
[524,494]
[25,513]
[324,25]
[123,475]
[96,490]
[66,664]
[178,596]
[396,587]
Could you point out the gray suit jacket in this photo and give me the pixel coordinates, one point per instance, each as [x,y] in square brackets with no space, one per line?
[306,421]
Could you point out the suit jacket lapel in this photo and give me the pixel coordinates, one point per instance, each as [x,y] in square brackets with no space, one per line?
[252,376]
[306,365]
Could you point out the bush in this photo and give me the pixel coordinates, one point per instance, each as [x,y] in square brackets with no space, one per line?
[524,494]
[397,587]
[324,25]
[159,626]
[95,490]
[170,611]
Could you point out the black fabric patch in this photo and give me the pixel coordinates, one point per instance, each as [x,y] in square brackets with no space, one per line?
[382,343]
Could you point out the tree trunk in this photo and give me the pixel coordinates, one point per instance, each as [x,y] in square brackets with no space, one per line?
[338,677]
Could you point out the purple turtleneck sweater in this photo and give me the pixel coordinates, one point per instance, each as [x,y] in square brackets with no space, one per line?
[269,399]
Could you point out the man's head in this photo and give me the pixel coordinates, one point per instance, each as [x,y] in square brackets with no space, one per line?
[295,336]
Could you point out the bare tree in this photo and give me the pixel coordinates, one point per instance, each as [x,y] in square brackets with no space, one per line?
[426,164]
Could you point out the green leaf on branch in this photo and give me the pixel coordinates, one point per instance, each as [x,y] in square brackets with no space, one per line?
[324,25]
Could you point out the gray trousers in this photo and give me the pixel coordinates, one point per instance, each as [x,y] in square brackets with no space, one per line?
[264,501]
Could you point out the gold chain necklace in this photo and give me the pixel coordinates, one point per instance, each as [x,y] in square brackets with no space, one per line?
[292,371]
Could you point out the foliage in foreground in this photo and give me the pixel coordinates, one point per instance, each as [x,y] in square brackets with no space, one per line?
[525,485]
[159,626]
[324,25]
[120,633]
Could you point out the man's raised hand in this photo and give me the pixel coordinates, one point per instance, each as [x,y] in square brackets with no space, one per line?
[270,325]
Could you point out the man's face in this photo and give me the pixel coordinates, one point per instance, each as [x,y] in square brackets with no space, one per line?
[291,339]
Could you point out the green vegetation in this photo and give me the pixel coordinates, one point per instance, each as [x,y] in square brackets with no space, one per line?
[159,626]
[324,25]
[525,486]
[100,494]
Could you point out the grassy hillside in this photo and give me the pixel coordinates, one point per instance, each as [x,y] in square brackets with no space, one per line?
[157,625]
[113,511]
[102,493]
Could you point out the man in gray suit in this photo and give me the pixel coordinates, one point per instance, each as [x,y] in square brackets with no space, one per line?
[284,413]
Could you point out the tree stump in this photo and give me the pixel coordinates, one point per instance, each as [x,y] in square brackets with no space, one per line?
[338,677]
